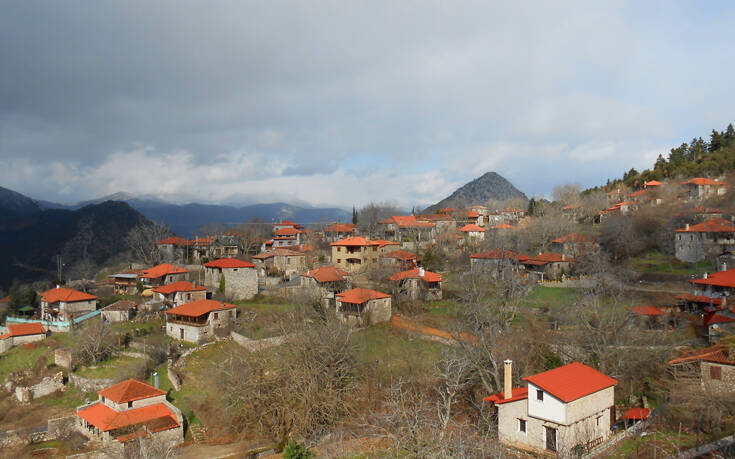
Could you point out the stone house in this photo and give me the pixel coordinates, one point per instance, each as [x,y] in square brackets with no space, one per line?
[473,233]
[223,246]
[718,286]
[702,213]
[710,238]
[442,222]
[512,215]
[64,304]
[163,274]
[574,245]
[558,411]
[718,324]
[22,333]
[337,231]
[327,279]
[713,368]
[198,322]
[360,307]
[177,293]
[498,263]
[355,253]
[547,266]
[287,237]
[125,283]
[400,259]
[129,410]
[702,188]
[407,228]
[287,224]
[418,284]
[119,311]
[241,277]
[288,261]
[174,249]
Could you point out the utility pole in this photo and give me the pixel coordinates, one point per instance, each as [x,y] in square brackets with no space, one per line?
[58,266]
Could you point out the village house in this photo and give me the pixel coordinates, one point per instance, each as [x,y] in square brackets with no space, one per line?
[287,237]
[355,253]
[418,284]
[442,222]
[400,259]
[199,321]
[707,239]
[129,410]
[223,246]
[719,324]
[174,249]
[360,307]
[712,368]
[407,228]
[547,266]
[337,231]
[702,213]
[651,317]
[472,233]
[163,274]
[569,408]
[498,263]
[326,281]
[18,334]
[652,185]
[289,262]
[574,245]
[126,282]
[240,277]
[64,304]
[469,217]
[719,286]
[572,211]
[177,293]
[702,188]
[119,311]
[286,224]
[512,215]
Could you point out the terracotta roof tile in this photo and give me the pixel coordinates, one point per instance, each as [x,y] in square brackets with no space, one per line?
[546,258]
[636,414]
[648,311]
[517,393]
[327,274]
[718,279]
[34,328]
[574,237]
[499,254]
[129,391]
[229,263]
[717,353]
[199,308]
[357,241]
[162,270]
[181,286]
[106,419]
[713,225]
[360,295]
[472,228]
[703,181]
[571,382]
[416,274]
[67,295]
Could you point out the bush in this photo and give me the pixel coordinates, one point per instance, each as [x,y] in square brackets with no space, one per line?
[294,450]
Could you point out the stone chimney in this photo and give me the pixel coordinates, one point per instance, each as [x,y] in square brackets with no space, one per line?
[421,272]
[508,382]
[58,286]
[687,227]
[705,276]
[562,257]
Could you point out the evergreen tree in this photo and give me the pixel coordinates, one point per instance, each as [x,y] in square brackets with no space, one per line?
[354,215]
[532,205]
[294,450]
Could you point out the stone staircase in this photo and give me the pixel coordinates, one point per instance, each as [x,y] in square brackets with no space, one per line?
[198,434]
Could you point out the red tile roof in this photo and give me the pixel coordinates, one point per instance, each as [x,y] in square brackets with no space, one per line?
[648,311]
[717,354]
[34,328]
[199,308]
[473,214]
[472,228]
[546,258]
[384,243]
[129,391]
[499,254]
[636,414]
[700,210]
[410,221]
[287,231]
[181,286]
[503,226]
[106,419]
[174,240]
[713,225]
[415,274]
[571,382]
[702,181]
[357,241]
[327,274]
[574,237]
[162,270]
[284,252]
[66,295]
[652,183]
[637,193]
[360,295]
[340,228]
[719,279]
[401,255]
[229,263]
[517,393]
[448,210]
[715,318]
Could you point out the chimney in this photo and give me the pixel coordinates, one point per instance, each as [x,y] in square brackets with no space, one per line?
[687,227]
[421,272]
[155,379]
[57,286]
[705,276]
[508,386]
[562,257]
[723,267]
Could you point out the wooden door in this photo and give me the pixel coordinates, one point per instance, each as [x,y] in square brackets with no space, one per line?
[550,438]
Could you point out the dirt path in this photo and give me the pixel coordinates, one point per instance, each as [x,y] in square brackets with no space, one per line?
[430,332]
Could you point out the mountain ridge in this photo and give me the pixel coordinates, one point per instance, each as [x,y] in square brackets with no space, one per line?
[489,186]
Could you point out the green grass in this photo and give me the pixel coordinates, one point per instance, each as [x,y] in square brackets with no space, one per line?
[446,308]
[657,262]
[122,366]
[551,297]
[69,398]
[395,352]
[19,358]
[138,328]
[662,442]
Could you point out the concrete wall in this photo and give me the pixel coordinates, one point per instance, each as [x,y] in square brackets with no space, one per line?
[550,409]
[117,316]
[192,333]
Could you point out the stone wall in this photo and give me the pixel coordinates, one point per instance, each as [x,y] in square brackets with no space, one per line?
[90,384]
[255,345]
[48,385]
[63,358]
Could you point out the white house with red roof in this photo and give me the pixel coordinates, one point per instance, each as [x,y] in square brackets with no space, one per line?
[63,304]
[131,410]
[472,232]
[557,411]
[21,333]
[361,307]
[418,283]
[199,321]
[240,277]
[178,293]
[709,238]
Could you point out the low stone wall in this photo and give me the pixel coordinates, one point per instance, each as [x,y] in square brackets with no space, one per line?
[48,385]
[568,283]
[90,384]
[53,429]
[173,377]
[255,345]
[63,358]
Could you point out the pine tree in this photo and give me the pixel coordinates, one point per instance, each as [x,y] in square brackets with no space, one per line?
[354,215]
[532,206]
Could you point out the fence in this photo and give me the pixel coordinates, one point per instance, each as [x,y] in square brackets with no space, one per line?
[55,325]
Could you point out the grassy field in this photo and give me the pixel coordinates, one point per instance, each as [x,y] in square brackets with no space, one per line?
[656,444]
[657,262]
[123,366]
[20,358]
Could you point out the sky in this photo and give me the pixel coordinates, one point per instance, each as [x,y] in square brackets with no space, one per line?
[342,103]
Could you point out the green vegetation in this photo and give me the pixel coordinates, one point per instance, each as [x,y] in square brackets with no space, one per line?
[117,366]
[551,297]
[657,262]
[21,358]
[295,450]
[663,443]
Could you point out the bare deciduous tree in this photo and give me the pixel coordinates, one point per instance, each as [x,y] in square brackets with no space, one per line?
[97,343]
[142,241]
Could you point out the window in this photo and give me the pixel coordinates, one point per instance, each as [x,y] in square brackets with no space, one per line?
[216,315]
[339,249]
[539,395]
[522,425]
[715,372]
[597,421]
[103,399]
[130,404]
[234,269]
[288,261]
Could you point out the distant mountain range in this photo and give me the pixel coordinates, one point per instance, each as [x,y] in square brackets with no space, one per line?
[490,186]
[187,219]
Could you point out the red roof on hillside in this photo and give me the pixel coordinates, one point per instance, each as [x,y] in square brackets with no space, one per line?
[199,308]
[713,225]
[384,242]
[180,286]
[702,181]
[719,279]
[174,240]
[410,221]
[287,231]
[715,318]
[157,417]
[517,393]
[652,183]
[327,274]
[129,391]
[67,295]
[636,414]
[229,263]
[574,237]
[637,193]
[356,241]
[340,228]
[472,228]
[360,295]
[545,258]
[33,328]
[416,274]
[503,226]
[571,382]
[162,270]
[401,255]
[448,210]
[648,311]
[717,353]
[499,254]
